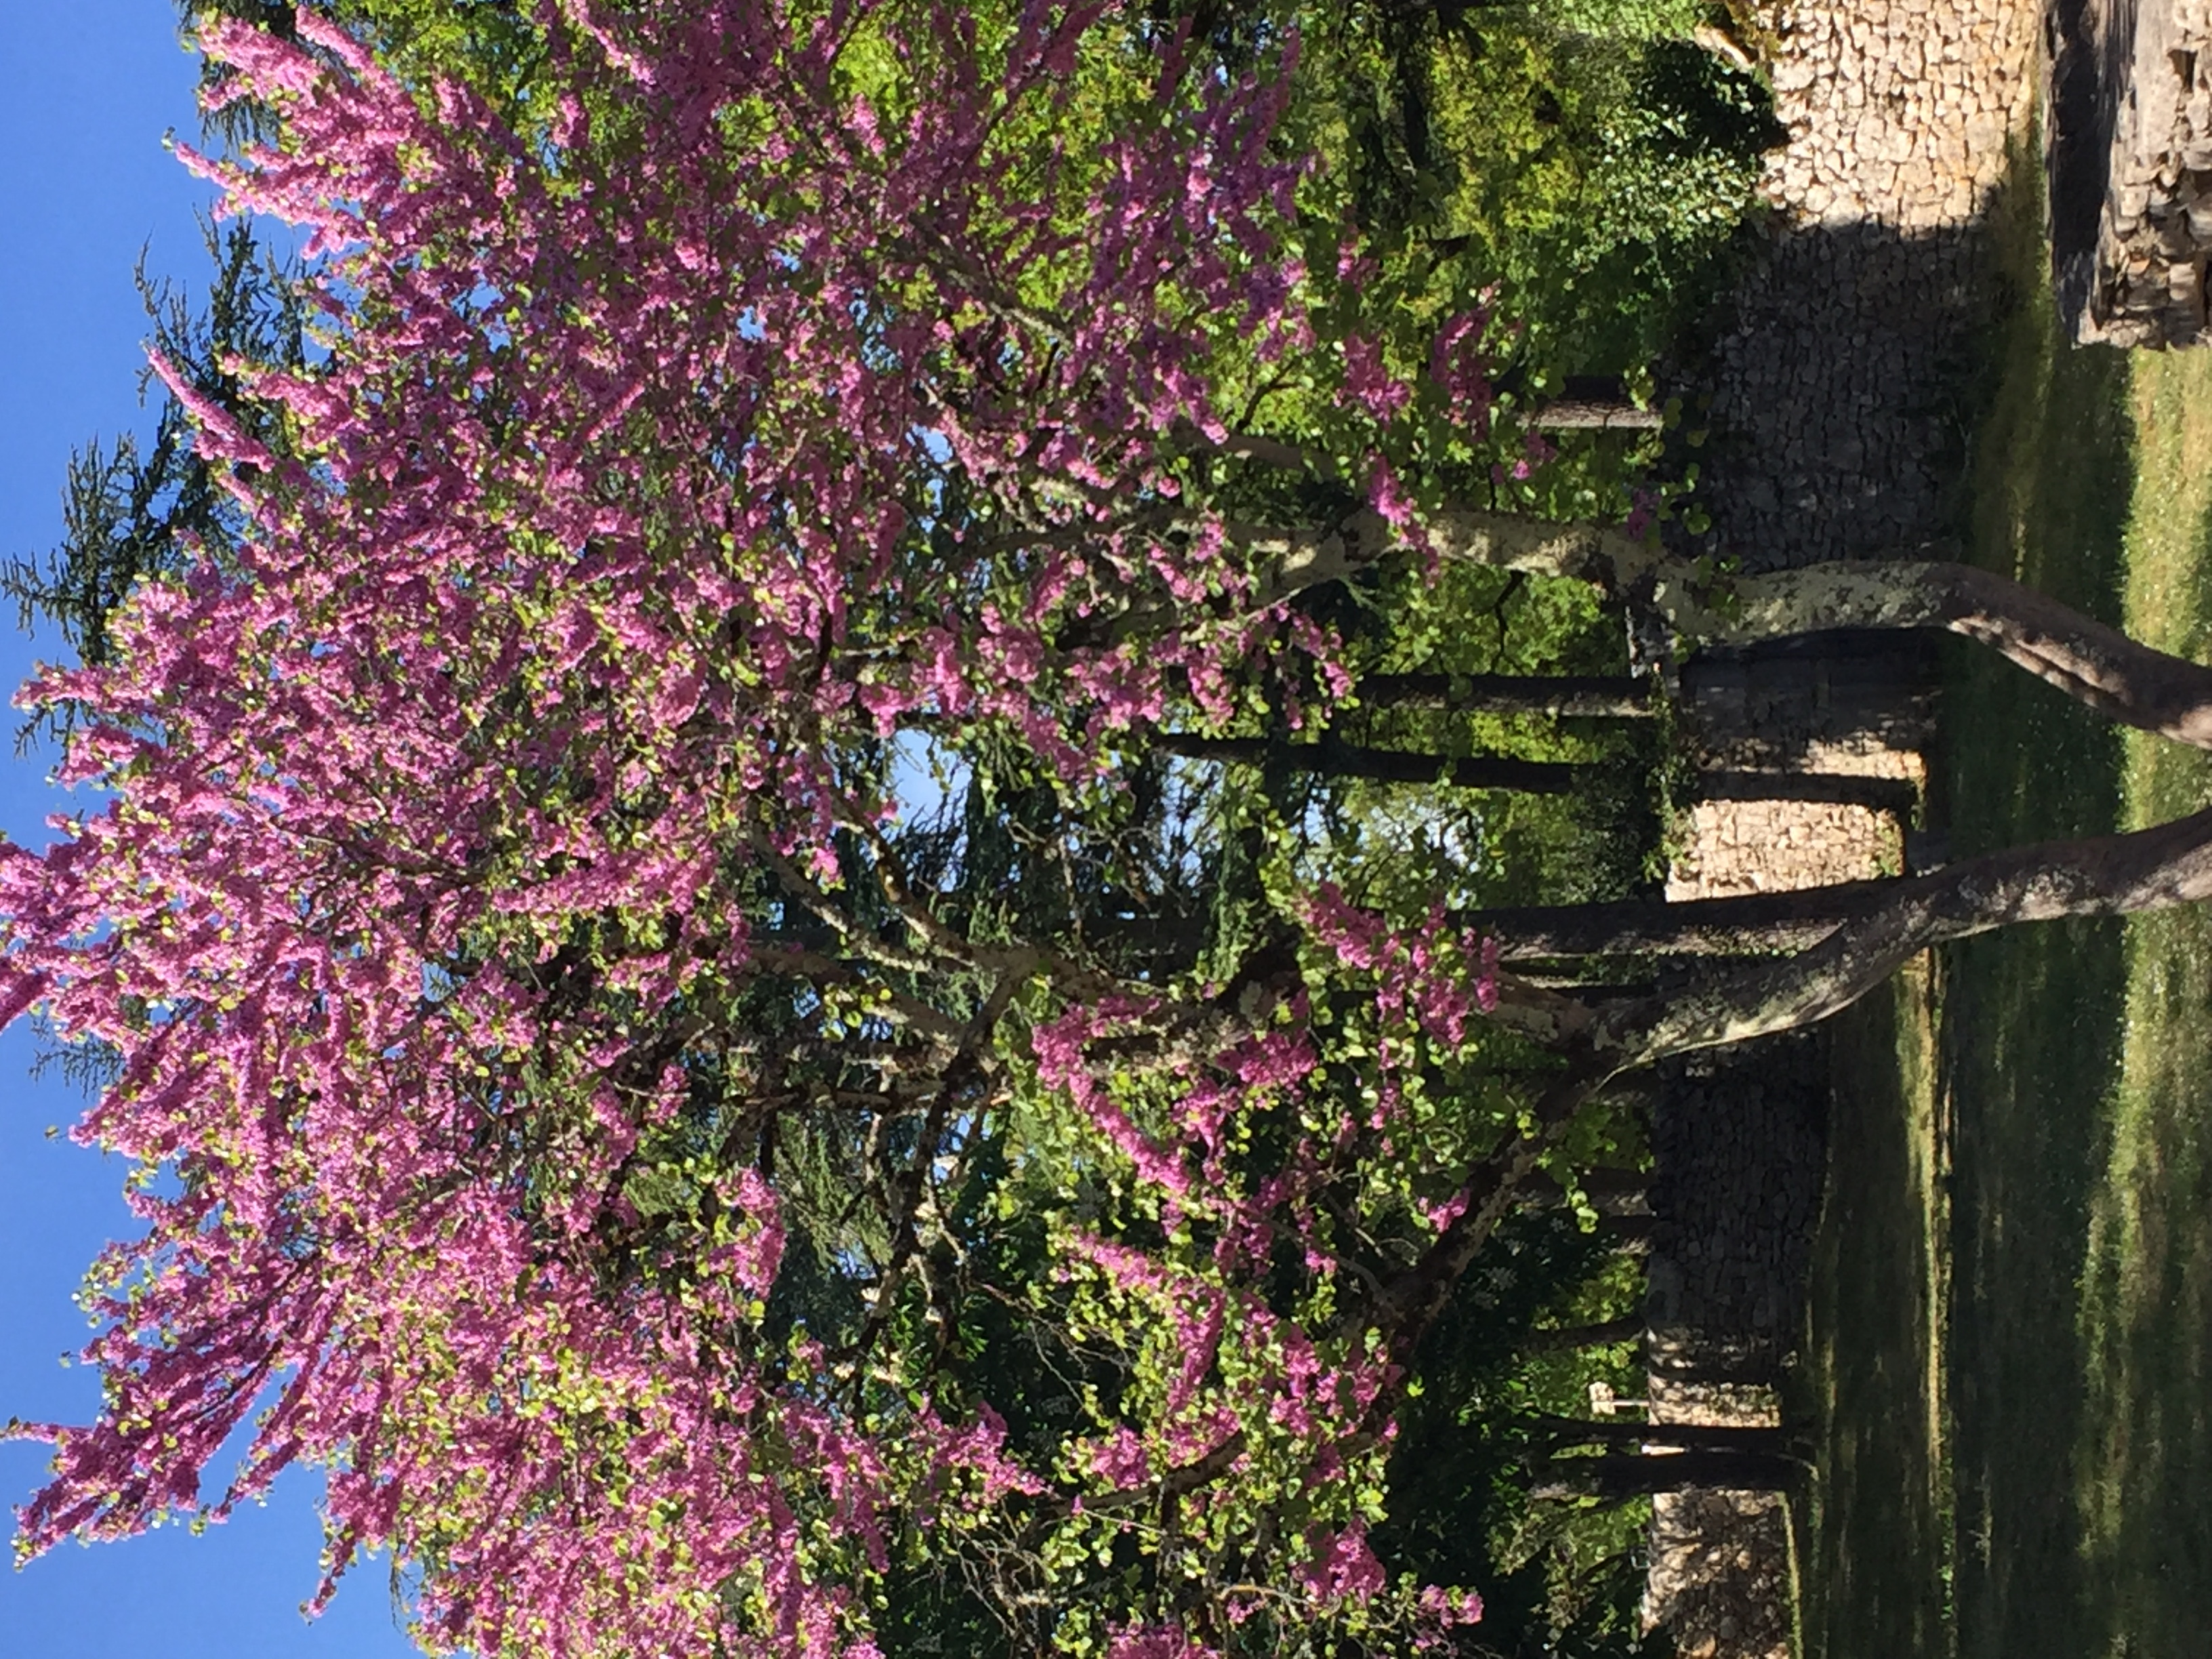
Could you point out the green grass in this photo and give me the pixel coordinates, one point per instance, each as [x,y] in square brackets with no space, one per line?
[2021,1472]
[2144,1462]
[1873,1530]
[2031,1020]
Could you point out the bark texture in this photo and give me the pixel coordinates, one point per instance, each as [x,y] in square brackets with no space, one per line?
[1330,758]
[1616,1477]
[2101,876]
[1752,925]
[1562,1339]
[1560,696]
[1595,415]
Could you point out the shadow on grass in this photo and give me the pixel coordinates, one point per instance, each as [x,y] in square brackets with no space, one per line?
[1873,1531]
[2032,1018]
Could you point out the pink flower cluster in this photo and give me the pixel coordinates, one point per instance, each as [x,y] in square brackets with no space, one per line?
[607,540]
[1430,976]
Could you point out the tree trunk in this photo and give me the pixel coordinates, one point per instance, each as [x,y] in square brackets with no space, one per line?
[1617,1477]
[1330,758]
[1628,1233]
[2098,665]
[1566,1337]
[1610,1191]
[1881,794]
[2090,662]
[1714,1439]
[1752,924]
[1572,696]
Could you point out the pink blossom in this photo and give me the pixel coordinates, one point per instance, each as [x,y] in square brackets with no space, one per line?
[431,884]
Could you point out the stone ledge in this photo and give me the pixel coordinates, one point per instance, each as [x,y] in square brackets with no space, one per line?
[2130,88]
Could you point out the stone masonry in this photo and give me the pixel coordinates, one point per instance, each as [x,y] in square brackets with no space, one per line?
[1832,434]
[2130,155]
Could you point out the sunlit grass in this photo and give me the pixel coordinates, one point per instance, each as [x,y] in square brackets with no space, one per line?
[2145,1452]
[2080,1057]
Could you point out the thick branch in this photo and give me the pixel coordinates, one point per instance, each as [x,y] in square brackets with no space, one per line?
[1255,446]
[2102,876]
[1608,1190]
[1581,696]
[1178,1482]
[1331,759]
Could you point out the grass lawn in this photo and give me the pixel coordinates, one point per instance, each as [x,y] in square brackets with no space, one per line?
[2143,1461]
[1874,1544]
[2012,1305]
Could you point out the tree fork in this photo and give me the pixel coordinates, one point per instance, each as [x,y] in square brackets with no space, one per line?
[2152,869]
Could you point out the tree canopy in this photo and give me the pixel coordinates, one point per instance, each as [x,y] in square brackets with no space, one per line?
[707,909]
[571,1093]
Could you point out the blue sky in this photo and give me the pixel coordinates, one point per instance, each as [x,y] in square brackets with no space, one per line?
[93,85]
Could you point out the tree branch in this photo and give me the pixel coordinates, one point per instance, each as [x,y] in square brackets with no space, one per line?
[2101,876]
[2089,661]
[1331,758]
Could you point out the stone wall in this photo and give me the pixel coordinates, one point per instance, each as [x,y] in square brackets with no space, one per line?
[1740,1143]
[1833,433]
[1832,391]
[1825,707]
[2130,156]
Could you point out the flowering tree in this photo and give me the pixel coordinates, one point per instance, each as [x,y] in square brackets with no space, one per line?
[687,1173]
[503,906]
